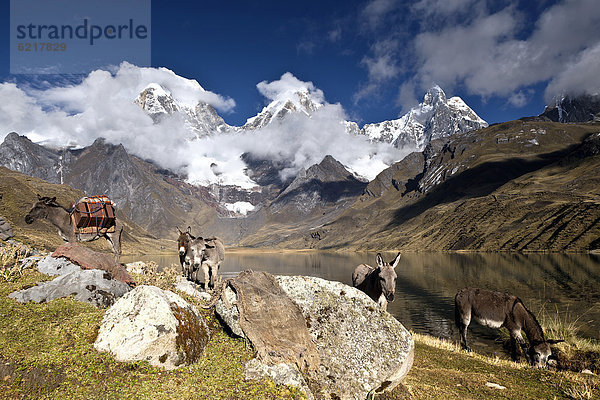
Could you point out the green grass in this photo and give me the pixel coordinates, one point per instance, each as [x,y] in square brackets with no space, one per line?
[50,355]
[49,348]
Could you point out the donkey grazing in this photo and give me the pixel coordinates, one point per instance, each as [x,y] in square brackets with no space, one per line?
[60,217]
[378,283]
[495,309]
[207,254]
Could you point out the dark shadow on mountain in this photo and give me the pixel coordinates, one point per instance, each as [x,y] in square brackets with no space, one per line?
[475,182]
[329,192]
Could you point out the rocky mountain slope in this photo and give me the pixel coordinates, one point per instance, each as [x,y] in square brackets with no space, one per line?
[158,201]
[316,196]
[521,185]
[153,199]
[573,109]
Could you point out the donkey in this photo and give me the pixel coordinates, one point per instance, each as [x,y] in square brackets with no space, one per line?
[378,283]
[60,217]
[183,246]
[495,309]
[207,254]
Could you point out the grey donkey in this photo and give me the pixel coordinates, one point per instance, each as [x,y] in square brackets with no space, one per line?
[207,254]
[379,283]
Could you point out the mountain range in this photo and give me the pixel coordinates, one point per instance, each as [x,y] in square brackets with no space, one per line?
[457,162]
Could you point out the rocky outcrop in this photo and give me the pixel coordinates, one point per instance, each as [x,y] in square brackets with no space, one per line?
[361,348]
[89,259]
[156,325]
[91,286]
[567,109]
[6,231]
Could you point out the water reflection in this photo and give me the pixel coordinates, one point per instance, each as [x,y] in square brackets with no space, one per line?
[427,283]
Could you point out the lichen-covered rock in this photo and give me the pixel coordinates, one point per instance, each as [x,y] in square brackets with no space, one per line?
[56,266]
[91,286]
[281,374]
[362,349]
[191,289]
[156,325]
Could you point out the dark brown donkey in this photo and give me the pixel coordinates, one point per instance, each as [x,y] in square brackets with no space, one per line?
[183,246]
[48,208]
[495,309]
[379,283]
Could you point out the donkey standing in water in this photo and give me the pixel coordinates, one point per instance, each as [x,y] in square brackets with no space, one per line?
[60,217]
[495,309]
[378,283]
[207,254]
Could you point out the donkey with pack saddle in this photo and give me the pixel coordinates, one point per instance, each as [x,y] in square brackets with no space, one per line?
[495,310]
[197,253]
[64,220]
[379,283]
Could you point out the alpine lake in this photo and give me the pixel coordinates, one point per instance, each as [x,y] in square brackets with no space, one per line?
[552,285]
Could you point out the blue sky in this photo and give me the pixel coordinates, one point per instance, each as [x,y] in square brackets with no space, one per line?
[377,58]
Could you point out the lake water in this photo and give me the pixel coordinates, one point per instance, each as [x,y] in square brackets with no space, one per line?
[427,282]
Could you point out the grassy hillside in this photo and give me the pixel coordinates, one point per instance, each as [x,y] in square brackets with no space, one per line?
[521,185]
[19,192]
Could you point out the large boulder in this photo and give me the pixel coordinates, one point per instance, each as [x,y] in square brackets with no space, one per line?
[90,259]
[362,349]
[93,286]
[156,325]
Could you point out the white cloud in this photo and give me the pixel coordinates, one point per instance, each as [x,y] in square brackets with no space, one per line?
[579,77]
[381,67]
[334,35]
[286,85]
[376,10]
[483,48]
[488,59]
[518,99]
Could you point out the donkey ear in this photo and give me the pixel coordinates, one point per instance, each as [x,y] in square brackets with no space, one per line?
[379,260]
[208,246]
[189,230]
[178,230]
[39,197]
[554,341]
[396,260]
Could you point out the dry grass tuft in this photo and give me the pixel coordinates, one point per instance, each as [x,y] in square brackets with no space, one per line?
[11,257]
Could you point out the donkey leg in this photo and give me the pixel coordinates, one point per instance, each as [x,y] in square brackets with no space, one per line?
[206,271]
[462,319]
[516,338]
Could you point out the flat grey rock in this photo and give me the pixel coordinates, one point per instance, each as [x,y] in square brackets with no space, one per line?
[91,286]
[56,266]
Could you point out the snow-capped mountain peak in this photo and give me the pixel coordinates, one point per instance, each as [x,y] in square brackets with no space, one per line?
[156,101]
[201,119]
[291,101]
[436,117]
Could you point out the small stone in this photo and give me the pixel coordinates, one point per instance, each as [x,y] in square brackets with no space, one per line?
[587,371]
[495,386]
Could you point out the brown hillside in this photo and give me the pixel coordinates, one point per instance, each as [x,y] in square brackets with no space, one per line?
[19,192]
[521,185]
